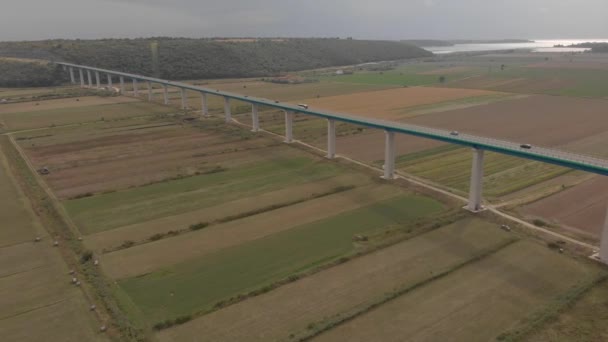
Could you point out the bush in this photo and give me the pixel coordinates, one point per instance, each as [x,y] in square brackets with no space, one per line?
[86,256]
[156,237]
[127,244]
[539,223]
[199,225]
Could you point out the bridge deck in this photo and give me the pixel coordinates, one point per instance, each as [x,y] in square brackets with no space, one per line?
[542,154]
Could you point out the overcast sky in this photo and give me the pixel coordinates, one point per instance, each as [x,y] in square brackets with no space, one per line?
[377,19]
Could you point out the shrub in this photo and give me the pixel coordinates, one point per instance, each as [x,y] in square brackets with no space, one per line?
[127,244]
[199,225]
[86,256]
[539,223]
[157,236]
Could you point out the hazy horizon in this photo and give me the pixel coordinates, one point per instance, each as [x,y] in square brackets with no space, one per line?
[384,19]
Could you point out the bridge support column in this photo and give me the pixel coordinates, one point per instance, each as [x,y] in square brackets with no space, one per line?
[255,119]
[389,155]
[72,76]
[110,81]
[97,79]
[81,78]
[135,90]
[183,94]
[476,187]
[150,91]
[288,127]
[331,138]
[122,85]
[90,79]
[603,255]
[227,111]
[165,94]
[204,107]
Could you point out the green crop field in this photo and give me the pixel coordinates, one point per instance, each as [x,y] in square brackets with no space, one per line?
[199,284]
[450,165]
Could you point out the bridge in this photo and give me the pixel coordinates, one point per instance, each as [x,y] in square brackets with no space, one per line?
[478,144]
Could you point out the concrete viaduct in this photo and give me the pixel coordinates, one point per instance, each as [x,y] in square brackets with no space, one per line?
[478,144]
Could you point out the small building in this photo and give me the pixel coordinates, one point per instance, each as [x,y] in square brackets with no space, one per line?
[3,101]
[340,72]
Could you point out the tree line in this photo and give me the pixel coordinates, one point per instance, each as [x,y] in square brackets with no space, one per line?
[182,58]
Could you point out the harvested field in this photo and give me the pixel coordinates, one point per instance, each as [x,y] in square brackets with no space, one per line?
[37,301]
[18,223]
[390,104]
[524,119]
[85,101]
[582,207]
[197,285]
[474,303]
[593,65]
[350,286]
[79,115]
[586,320]
[135,158]
[274,199]
[149,257]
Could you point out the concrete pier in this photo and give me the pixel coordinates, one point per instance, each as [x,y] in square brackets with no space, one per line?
[122,85]
[81,78]
[204,106]
[90,79]
[331,138]
[135,90]
[150,95]
[227,110]
[389,155]
[72,76]
[476,187]
[110,81]
[165,94]
[288,127]
[255,120]
[604,242]
[184,99]
[97,80]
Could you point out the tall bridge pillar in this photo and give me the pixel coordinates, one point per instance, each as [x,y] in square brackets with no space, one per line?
[150,91]
[476,186]
[331,138]
[288,127]
[183,95]
[89,78]
[110,81]
[204,106]
[122,85]
[604,242]
[135,90]
[255,120]
[227,111]
[81,78]
[97,79]
[165,94]
[389,155]
[72,76]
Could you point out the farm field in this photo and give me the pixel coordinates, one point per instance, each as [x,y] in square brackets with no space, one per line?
[292,309]
[582,207]
[23,119]
[34,282]
[205,231]
[482,299]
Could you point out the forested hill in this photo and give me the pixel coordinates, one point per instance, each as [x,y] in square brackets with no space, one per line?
[181,58]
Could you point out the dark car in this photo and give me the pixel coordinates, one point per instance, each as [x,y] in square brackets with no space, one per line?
[526,146]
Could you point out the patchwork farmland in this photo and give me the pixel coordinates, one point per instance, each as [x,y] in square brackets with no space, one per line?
[183,228]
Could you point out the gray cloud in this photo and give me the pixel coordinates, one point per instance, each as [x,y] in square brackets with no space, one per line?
[379,19]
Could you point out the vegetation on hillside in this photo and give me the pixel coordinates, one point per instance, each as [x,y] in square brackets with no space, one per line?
[16,73]
[181,58]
